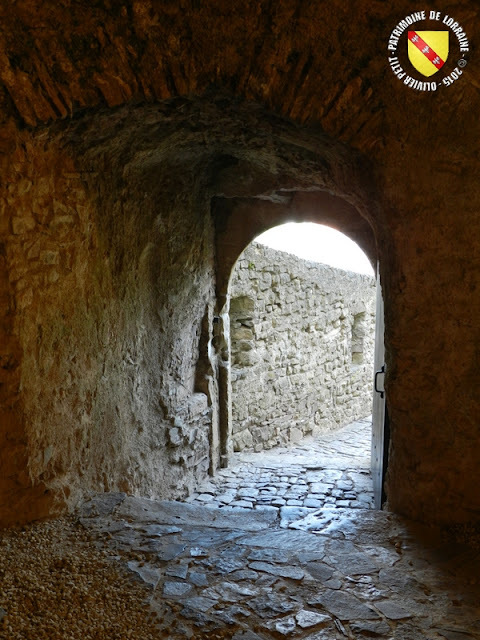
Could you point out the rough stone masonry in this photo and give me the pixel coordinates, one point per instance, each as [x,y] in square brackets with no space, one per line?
[302,343]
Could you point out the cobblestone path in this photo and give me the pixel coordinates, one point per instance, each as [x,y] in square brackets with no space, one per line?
[332,470]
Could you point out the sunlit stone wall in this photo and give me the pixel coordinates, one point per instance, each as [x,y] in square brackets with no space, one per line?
[302,341]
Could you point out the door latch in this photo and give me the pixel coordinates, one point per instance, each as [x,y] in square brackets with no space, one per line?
[377,373]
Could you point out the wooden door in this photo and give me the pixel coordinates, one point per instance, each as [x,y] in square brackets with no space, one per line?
[380,433]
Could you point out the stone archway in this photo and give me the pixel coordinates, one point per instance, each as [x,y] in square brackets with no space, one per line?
[238,222]
[128,316]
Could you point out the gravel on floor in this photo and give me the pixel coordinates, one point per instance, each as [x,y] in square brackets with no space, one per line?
[55,584]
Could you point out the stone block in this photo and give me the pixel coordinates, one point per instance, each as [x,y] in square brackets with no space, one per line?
[295,434]
[22,225]
[241,333]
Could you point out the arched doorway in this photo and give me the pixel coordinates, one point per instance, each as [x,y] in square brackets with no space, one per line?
[301,336]
[237,223]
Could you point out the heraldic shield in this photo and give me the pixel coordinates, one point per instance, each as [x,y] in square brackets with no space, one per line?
[428,50]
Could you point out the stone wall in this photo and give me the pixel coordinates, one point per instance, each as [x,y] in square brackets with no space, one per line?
[302,343]
[101,382]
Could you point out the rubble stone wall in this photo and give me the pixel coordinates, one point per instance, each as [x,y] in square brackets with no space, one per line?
[302,343]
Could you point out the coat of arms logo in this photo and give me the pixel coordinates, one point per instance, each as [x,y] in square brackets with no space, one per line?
[424,57]
[428,50]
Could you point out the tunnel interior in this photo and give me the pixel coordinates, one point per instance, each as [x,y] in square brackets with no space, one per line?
[134,175]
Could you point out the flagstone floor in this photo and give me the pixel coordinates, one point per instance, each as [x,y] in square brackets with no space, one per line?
[285,544]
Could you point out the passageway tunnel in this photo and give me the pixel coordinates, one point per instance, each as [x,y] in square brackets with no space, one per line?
[124,228]
[123,372]
[120,389]
[143,145]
